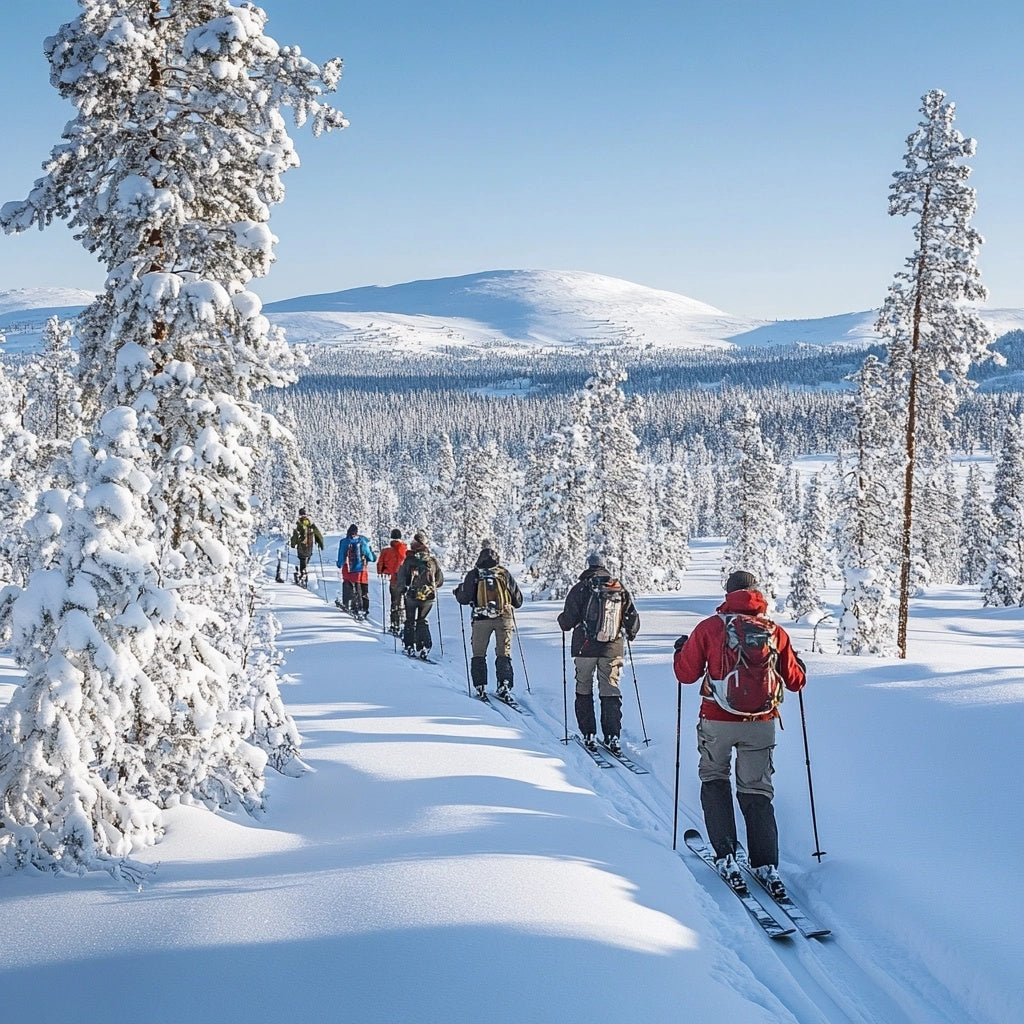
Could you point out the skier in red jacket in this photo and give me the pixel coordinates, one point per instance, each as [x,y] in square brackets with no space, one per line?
[706,656]
[388,564]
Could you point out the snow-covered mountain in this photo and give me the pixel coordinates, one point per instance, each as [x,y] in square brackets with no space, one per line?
[513,309]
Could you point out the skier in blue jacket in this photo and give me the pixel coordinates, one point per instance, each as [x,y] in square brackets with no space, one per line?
[354,556]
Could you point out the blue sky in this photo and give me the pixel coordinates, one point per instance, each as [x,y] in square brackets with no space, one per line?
[736,152]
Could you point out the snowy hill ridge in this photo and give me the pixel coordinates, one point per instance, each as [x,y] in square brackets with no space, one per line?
[509,309]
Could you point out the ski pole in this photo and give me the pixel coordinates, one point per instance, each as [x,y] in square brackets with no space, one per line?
[636,686]
[440,635]
[565,694]
[818,851]
[462,620]
[320,555]
[679,719]
[522,658]
[383,607]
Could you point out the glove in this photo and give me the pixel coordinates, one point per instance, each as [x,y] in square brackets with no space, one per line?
[680,640]
[456,592]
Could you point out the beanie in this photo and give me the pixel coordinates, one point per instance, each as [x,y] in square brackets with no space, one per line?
[740,580]
[420,536]
[396,534]
[487,559]
[594,560]
[353,530]
[302,511]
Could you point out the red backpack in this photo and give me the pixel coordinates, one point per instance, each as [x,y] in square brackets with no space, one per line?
[753,686]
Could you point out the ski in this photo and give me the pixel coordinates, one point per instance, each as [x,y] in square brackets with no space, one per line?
[599,759]
[808,928]
[772,928]
[625,761]
[511,702]
[418,657]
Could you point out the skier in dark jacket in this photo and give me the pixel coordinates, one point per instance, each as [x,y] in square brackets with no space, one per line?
[495,617]
[705,656]
[418,578]
[304,536]
[593,653]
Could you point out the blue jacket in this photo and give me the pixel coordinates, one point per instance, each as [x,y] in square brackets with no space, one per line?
[362,555]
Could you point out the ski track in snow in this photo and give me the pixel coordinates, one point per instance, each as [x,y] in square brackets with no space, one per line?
[819,981]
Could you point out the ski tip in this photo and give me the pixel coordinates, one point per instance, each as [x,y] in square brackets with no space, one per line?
[783,933]
[818,933]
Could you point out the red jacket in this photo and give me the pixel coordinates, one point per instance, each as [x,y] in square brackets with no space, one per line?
[391,558]
[705,651]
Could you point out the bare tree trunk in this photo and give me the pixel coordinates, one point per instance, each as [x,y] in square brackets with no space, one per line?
[906,547]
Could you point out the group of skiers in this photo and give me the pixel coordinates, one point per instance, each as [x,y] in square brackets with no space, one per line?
[743,661]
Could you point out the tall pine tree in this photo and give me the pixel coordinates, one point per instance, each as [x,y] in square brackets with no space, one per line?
[933,336]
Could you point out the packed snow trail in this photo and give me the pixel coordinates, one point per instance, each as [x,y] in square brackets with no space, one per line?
[827,984]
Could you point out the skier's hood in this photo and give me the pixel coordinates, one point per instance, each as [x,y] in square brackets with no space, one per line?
[744,602]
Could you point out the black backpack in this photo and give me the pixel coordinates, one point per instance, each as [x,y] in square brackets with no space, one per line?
[602,610]
[421,577]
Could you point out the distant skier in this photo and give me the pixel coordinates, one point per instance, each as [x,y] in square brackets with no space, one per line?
[388,564]
[304,536]
[354,555]
[493,594]
[743,660]
[419,578]
[600,612]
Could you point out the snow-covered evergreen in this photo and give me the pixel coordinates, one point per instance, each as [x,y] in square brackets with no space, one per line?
[1003,584]
[934,336]
[755,521]
[975,530]
[617,493]
[812,564]
[869,492]
[168,173]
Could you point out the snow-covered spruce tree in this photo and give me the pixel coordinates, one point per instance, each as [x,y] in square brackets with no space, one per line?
[480,489]
[82,738]
[168,174]
[671,512]
[868,502]
[19,479]
[1003,585]
[55,415]
[811,563]
[355,487]
[617,495]
[934,337]
[755,526]
[283,480]
[439,507]
[554,520]
[975,530]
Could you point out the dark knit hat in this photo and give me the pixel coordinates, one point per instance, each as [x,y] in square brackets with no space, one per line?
[302,511]
[487,559]
[396,534]
[740,580]
[352,530]
[594,560]
[420,536]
